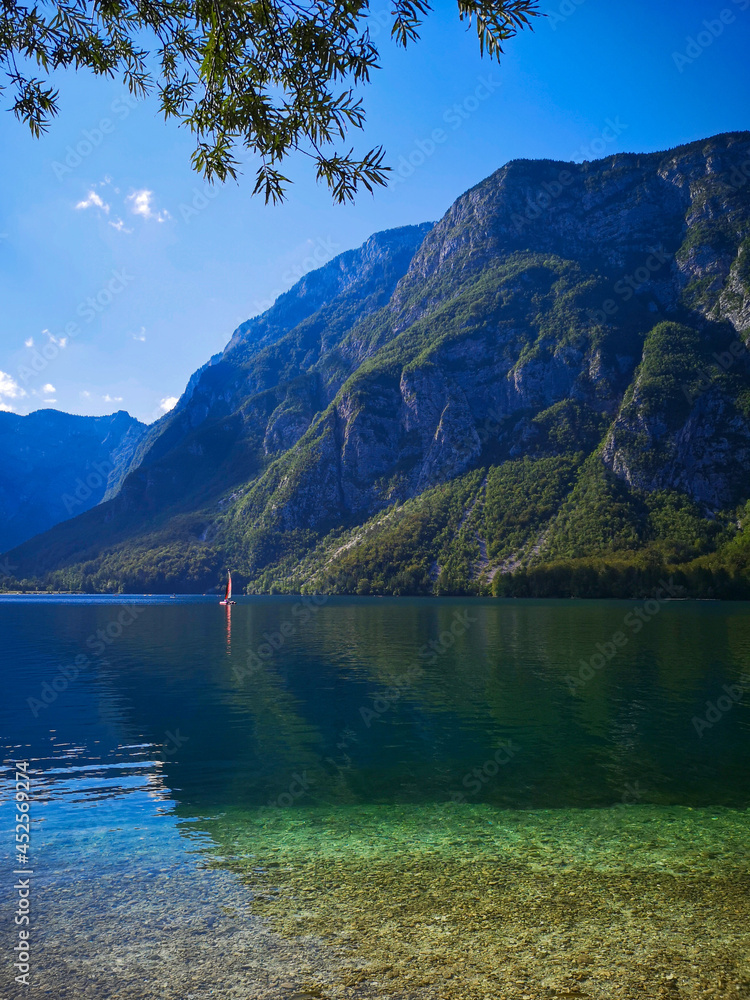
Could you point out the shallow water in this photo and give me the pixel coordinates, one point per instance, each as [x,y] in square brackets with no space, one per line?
[377,798]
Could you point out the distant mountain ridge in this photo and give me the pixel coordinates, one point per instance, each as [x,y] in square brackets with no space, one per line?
[55,465]
[550,385]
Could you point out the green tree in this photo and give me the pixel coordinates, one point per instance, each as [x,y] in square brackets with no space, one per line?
[272,76]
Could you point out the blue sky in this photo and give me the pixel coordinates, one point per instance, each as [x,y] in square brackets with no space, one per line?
[124,243]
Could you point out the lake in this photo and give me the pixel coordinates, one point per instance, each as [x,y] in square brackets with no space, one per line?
[391,798]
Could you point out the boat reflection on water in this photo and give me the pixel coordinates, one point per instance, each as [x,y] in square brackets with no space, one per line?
[229,629]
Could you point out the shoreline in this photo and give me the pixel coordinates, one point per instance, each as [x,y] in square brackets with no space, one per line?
[242,598]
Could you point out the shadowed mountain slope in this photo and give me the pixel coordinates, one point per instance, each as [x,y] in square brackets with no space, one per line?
[56,465]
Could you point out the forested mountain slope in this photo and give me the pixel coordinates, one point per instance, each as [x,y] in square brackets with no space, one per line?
[546,392]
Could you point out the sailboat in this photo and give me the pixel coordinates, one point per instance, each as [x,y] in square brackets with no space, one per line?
[228,592]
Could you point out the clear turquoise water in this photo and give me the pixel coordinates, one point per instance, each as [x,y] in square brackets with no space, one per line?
[377,798]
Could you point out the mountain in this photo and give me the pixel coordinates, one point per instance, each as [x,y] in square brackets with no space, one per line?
[56,465]
[548,391]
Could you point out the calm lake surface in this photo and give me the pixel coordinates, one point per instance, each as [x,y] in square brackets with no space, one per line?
[378,798]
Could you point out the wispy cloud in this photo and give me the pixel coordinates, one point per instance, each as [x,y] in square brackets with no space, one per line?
[93,200]
[168,403]
[29,342]
[141,335]
[57,341]
[112,399]
[9,389]
[47,392]
[140,204]
[120,226]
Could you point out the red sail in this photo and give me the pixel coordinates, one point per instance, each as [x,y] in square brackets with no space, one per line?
[228,593]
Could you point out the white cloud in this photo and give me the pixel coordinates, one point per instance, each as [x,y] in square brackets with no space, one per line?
[9,389]
[59,341]
[140,202]
[49,400]
[93,199]
[120,226]
[141,335]
[112,399]
[29,342]
[4,408]
[85,394]
[48,388]
[168,403]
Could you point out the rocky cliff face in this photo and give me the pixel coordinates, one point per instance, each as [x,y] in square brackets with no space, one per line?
[684,422]
[56,465]
[277,372]
[589,319]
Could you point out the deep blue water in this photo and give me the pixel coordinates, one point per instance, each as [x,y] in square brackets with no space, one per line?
[173,744]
